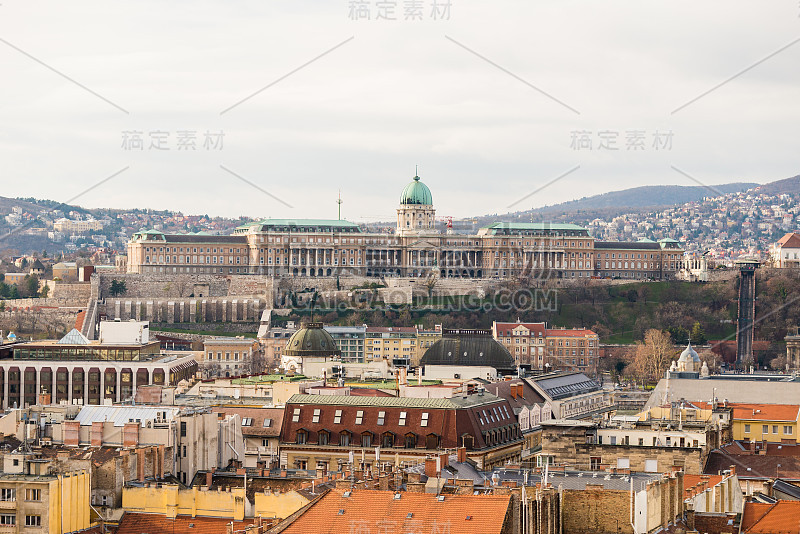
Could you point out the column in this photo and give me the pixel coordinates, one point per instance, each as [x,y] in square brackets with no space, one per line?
[69,385]
[118,391]
[102,384]
[86,385]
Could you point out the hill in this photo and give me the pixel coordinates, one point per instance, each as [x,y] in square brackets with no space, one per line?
[648,197]
[788,186]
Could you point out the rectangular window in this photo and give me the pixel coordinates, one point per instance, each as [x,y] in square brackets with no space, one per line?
[787,430]
[359,417]
[424,421]
[296,415]
[651,466]
[623,463]
[315,417]
[33,494]
[183,429]
[8,519]
[337,417]
[8,494]
[774,429]
[402,421]
[764,429]
[381,418]
[247,421]
[746,429]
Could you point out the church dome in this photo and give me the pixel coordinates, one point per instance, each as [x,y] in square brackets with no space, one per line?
[469,348]
[311,340]
[689,355]
[416,193]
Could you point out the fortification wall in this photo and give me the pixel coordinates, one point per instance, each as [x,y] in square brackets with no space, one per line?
[185,310]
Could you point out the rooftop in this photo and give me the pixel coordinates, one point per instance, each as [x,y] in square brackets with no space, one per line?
[394,402]
[782,517]
[759,412]
[339,510]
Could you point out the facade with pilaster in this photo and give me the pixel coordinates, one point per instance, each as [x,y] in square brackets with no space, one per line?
[325,248]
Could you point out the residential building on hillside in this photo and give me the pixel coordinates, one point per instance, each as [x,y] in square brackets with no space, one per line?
[785,254]
[324,248]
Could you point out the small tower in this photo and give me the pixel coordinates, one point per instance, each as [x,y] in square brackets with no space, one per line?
[416,214]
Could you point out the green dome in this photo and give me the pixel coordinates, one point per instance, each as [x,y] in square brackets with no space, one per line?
[416,193]
[311,340]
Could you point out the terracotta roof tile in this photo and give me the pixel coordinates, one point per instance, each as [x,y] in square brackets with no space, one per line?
[759,412]
[379,511]
[782,517]
[790,240]
[690,483]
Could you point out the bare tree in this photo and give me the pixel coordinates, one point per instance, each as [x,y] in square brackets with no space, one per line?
[653,354]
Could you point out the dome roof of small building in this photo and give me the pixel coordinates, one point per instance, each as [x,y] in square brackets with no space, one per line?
[311,340]
[689,354]
[416,193]
[469,348]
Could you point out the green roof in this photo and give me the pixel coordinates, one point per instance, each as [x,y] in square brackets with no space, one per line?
[150,232]
[534,226]
[307,222]
[416,193]
[393,402]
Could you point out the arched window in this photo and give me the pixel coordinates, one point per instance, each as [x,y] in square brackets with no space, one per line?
[366,439]
[410,440]
[345,438]
[323,437]
[301,437]
[387,440]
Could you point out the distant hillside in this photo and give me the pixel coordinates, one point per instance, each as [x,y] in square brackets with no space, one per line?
[788,186]
[609,205]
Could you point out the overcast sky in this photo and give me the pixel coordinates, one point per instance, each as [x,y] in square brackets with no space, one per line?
[488,102]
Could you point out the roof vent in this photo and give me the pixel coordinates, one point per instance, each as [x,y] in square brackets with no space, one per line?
[341,511]
[469,517]
[409,515]
[346,494]
[397,496]
[440,498]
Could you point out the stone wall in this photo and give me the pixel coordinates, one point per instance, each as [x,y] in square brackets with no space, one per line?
[596,510]
[76,293]
[184,310]
[164,285]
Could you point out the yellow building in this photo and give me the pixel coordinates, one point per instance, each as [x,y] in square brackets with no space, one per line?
[46,503]
[171,501]
[777,423]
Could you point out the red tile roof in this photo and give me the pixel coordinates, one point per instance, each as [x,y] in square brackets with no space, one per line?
[790,240]
[79,320]
[138,523]
[504,329]
[690,483]
[759,412]
[782,517]
[569,332]
[379,511]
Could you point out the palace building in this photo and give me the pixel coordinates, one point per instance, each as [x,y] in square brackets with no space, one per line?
[322,247]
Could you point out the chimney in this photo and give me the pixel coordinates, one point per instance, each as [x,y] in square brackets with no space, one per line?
[96,434]
[431,470]
[44,398]
[71,433]
[130,435]
[462,454]
[383,482]
[520,391]
[209,478]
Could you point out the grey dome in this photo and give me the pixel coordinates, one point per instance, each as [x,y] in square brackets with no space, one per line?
[468,348]
[312,340]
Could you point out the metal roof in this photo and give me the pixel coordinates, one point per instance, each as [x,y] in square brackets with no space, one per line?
[394,402]
[120,415]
